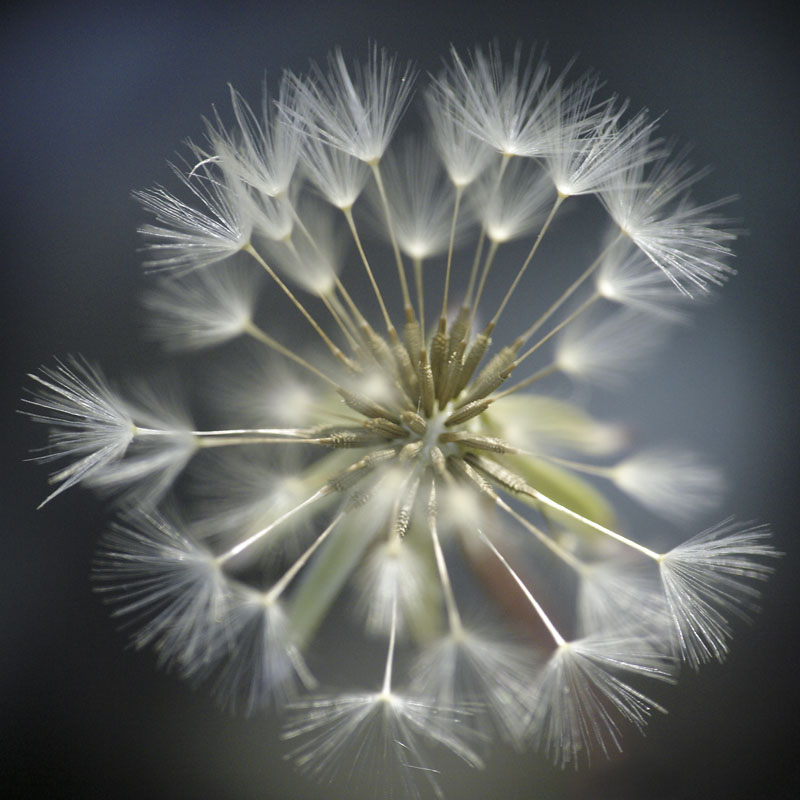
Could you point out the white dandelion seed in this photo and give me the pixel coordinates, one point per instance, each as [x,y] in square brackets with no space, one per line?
[382,739]
[161,446]
[589,146]
[137,447]
[203,309]
[186,237]
[338,176]
[625,276]
[583,695]
[463,155]
[392,571]
[710,578]
[265,152]
[90,425]
[354,109]
[670,481]
[689,242]
[312,258]
[272,217]
[421,200]
[507,106]
[517,206]
[165,584]
[253,661]
[384,730]
[608,351]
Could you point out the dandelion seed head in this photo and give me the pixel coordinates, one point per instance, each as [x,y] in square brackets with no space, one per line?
[463,155]
[338,176]
[380,735]
[355,109]
[90,424]
[506,105]
[689,242]
[421,200]
[396,433]
[392,572]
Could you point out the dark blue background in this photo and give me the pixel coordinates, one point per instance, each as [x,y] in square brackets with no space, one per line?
[93,102]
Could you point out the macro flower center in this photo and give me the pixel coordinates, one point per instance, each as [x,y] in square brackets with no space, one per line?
[419,399]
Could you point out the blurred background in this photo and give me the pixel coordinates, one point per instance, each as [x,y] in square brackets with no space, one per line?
[96,99]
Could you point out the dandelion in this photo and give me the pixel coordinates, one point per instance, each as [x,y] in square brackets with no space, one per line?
[380,446]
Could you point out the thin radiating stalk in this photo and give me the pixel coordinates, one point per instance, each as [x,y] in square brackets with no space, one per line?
[348,213]
[453,616]
[482,238]
[487,265]
[280,586]
[261,336]
[459,191]
[257,439]
[473,273]
[561,325]
[386,689]
[358,317]
[420,293]
[240,547]
[557,637]
[335,351]
[289,433]
[523,384]
[335,309]
[401,272]
[337,319]
[511,481]
[340,313]
[587,469]
[542,498]
[556,205]
[570,290]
